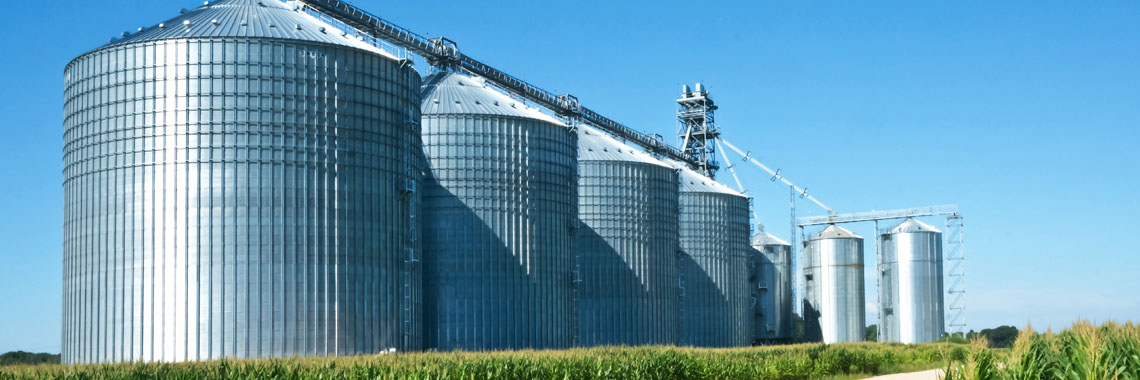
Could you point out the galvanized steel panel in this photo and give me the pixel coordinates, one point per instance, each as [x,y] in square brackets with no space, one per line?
[500,204]
[238,198]
[626,244]
[911,284]
[774,279]
[834,302]
[716,301]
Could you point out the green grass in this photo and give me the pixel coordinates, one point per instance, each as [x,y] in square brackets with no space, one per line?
[803,361]
[1083,352]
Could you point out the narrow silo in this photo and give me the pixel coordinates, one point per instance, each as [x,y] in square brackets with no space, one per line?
[626,245]
[716,302]
[910,284]
[500,208]
[774,287]
[239,182]
[834,303]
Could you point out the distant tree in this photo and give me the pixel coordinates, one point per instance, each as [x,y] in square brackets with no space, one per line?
[957,338]
[1001,336]
[871,333]
[21,357]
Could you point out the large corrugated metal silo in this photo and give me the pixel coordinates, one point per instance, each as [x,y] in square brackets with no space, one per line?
[834,302]
[627,245]
[715,298]
[236,184]
[775,280]
[910,284]
[500,207]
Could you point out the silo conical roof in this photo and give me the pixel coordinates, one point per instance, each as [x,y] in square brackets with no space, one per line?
[247,18]
[594,145]
[911,225]
[763,238]
[835,232]
[455,93]
[693,182]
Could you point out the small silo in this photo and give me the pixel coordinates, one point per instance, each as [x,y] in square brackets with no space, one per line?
[238,184]
[774,287]
[910,284]
[500,209]
[834,302]
[716,304]
[756,315]
[626,244]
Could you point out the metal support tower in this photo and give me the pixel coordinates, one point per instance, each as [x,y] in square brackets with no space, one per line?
[697,129]
[956,276]
[797,306]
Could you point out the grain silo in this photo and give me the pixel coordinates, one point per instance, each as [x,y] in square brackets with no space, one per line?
[715,298]
[834,308]
[238,183]
[910,283]
[774,287]
[626,244]
[500,208]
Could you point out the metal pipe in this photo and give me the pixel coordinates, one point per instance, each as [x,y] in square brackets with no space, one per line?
[776,175]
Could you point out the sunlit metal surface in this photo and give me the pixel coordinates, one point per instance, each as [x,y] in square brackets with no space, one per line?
[229,196]
[911,284]
[834,303]
[500,206]
[627,244]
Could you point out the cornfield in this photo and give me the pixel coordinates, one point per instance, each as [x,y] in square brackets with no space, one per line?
[1083,352]
[802,361]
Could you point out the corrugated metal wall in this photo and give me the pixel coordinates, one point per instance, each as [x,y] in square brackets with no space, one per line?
[627,249]
[911,284]
[500,204]
[716,305]
[238,198]
[834,300]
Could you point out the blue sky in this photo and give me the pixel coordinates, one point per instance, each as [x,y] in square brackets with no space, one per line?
[1026,114]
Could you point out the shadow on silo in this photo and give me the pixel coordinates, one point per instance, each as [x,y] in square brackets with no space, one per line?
[706,320]
[478,295]
[614,307]
[813,332]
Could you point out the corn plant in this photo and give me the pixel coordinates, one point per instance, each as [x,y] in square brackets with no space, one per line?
[803,361]
[1085,351]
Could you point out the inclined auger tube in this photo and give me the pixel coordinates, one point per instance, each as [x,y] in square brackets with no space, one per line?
[443,53]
